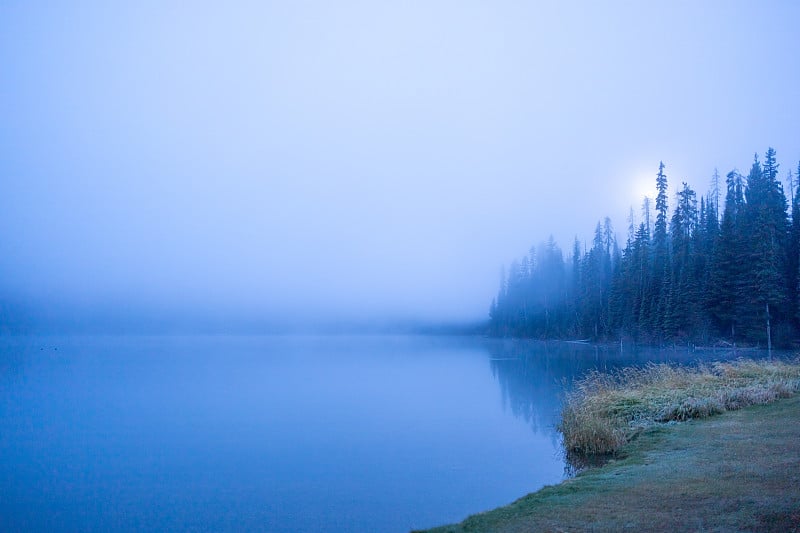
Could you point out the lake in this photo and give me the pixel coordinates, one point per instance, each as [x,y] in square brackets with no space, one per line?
[337,433]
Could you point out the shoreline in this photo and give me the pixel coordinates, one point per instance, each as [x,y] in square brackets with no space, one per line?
[720,344]
[734,471]
[738,470]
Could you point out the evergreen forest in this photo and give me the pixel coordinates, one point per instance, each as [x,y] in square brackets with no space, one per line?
[719,268]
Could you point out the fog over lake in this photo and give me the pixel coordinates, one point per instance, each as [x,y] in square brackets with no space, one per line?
[262,165]
[248,250]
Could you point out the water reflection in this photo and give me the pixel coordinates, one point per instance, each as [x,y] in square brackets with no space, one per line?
[533,375]
[280,434]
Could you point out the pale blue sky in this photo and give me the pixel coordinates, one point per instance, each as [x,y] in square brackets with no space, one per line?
[356,159]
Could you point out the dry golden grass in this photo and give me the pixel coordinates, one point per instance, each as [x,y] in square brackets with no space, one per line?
[604,411]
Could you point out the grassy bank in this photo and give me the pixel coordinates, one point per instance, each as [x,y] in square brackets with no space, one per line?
[604,411]
[736,472]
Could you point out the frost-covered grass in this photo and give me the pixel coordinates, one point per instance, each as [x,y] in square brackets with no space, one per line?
[734,472]
[604,411]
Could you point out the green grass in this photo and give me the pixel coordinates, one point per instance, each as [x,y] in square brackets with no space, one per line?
[734,472]
[605,411]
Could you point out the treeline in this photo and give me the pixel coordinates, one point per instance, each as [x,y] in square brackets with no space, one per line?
[697,275]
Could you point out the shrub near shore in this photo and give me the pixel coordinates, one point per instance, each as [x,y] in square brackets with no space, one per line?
[604,411]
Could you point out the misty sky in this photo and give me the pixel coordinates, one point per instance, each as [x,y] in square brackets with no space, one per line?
[355,159]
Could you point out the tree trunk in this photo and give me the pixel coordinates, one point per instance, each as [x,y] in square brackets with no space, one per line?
[769,332]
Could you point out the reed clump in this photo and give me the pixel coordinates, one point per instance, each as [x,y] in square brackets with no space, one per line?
[605,410]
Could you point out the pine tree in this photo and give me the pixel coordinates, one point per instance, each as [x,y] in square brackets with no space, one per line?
[646,215]
[794,290]
[704,262]
[714,195]
[571,320]
[682,313]
[727,272]
[596,280]
[767,233]
[737,274]
[660,232]
[660,282]
[793,252]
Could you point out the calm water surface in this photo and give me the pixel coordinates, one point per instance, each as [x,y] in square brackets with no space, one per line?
[278,433]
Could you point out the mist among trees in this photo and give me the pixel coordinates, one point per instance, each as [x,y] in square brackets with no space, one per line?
[719,267]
